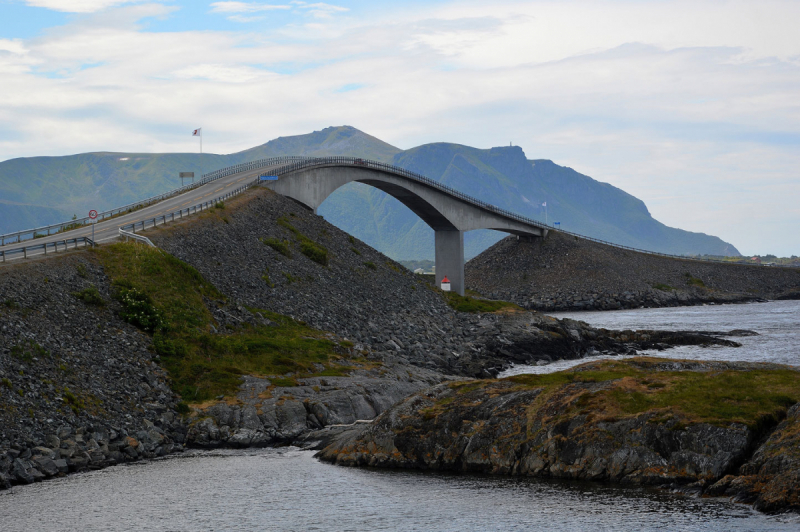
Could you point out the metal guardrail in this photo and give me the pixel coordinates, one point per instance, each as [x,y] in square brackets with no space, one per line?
[176,215]
[30,234]
[86,241]
[126,235]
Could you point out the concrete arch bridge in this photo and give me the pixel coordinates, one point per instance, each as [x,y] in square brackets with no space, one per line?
[447,211]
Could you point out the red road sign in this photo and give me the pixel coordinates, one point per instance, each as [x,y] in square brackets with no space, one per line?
[93,214]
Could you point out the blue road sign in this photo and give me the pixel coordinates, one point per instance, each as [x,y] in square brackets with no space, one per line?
[268,178]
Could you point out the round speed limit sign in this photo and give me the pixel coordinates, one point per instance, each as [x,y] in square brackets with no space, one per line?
[92,214]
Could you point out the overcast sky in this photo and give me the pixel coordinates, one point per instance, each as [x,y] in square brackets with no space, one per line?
[692,106]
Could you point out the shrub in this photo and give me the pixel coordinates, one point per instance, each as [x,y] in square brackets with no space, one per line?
[90,296]
[370,265]
[281,246]
[138,310]
[314,252]
[354,250]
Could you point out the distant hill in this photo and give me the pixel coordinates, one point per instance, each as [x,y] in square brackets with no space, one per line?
[42,190]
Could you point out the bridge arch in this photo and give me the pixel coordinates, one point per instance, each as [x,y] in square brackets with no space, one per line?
[448,212]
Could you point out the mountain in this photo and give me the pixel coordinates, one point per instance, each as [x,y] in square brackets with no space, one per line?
[42,190]
[36,191]
[506,178]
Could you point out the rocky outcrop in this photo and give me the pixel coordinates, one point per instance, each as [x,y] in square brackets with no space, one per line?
[563,273]
[770,480]
[263,414]
[600,421]
[79,388]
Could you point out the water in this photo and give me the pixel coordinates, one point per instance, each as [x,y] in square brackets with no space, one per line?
[288,490]
[776,322]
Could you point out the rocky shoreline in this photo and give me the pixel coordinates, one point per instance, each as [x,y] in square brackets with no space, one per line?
[601,422]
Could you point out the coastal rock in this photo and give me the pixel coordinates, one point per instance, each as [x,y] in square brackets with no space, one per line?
[599,421]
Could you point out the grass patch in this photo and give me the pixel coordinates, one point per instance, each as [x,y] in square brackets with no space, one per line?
[370,265]
[694,281]
[308,247]
[719,397]
[314,251]
[168,297]
[473,305]
[354,250]
[281,246]
[90,296]
[663,287]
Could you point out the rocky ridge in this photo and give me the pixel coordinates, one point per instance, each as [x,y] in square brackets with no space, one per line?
[563,273]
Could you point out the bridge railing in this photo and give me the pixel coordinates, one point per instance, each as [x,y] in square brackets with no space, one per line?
[55,247]
[47,230]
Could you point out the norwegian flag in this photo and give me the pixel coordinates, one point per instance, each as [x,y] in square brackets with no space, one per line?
[198,132]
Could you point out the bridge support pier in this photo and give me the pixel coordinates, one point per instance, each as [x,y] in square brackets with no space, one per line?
[450,259]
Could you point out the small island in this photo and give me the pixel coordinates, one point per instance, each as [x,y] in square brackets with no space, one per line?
[710,428]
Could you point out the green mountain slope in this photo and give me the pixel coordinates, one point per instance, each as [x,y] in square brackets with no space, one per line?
[41,190]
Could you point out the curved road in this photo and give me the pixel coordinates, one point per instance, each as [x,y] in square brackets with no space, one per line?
[109,228]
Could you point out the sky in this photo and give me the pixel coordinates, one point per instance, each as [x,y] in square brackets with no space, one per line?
[691,106]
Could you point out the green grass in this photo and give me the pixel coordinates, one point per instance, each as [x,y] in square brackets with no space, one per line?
[90,296]
[313,250]
[720,398]
[473,305]
[663,287]
[370,265]
[694,281]
[281,246]
[203,364]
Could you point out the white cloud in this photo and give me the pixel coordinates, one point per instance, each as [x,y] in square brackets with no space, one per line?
[245,7]
[78,6]
[696,115]
[319,9]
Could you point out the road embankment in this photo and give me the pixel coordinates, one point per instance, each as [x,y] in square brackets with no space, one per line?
[563,273]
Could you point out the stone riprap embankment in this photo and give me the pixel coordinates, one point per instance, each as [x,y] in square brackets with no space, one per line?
[638,421]
[562,272]
[362,296]
[79,388]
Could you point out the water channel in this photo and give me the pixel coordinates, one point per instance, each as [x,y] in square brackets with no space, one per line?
[286,489]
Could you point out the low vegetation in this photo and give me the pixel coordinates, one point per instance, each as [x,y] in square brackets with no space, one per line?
[753,397]
[166,297]
[694,281]
[475,305]
[313,250]
[90,296]
[281,246]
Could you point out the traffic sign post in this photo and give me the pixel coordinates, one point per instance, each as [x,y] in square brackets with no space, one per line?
[186,175]
[93,218]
